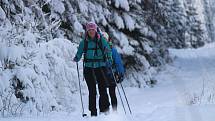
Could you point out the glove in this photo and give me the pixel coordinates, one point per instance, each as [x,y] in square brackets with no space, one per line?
[108,64]
[106,50]
[75,59]
[120,78]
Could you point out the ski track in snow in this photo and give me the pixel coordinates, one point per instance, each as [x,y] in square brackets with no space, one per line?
[167,101]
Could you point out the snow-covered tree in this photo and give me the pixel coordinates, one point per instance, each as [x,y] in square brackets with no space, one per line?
[209,17]
[38,39]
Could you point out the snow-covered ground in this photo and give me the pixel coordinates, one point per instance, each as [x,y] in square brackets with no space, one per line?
[185,92]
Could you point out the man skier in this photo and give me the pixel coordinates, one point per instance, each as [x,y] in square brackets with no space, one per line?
[116,70]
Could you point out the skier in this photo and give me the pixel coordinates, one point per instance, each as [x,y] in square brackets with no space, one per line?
[94,48]
[118,70]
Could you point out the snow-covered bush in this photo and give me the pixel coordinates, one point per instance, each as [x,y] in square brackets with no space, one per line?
[36,77]
[170,23]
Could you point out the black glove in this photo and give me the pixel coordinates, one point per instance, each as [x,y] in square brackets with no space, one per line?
[75,59]
[120,78]
[108,64]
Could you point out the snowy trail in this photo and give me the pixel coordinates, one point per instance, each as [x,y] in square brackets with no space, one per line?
[168,101]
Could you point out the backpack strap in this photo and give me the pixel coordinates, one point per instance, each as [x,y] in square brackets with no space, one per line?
[99,45]
[96,51]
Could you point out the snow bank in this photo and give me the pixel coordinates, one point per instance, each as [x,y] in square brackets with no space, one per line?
[194,69]
[37,78]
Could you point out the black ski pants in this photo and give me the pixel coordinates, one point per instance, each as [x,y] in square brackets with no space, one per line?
[95,76]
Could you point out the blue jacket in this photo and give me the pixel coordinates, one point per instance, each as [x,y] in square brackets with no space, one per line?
[117,61]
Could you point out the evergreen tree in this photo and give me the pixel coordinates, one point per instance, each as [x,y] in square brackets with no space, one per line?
[194,32]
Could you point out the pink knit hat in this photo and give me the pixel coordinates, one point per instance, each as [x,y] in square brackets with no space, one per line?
[91,25]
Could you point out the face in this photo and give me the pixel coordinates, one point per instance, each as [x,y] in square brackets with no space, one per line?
[91,33]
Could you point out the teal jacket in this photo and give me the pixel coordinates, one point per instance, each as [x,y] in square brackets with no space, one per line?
[94,60]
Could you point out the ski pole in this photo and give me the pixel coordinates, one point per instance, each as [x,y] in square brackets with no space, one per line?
[123,92]
[116,85]
[118,89]
[126,98]
[106,56]
[82,105]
